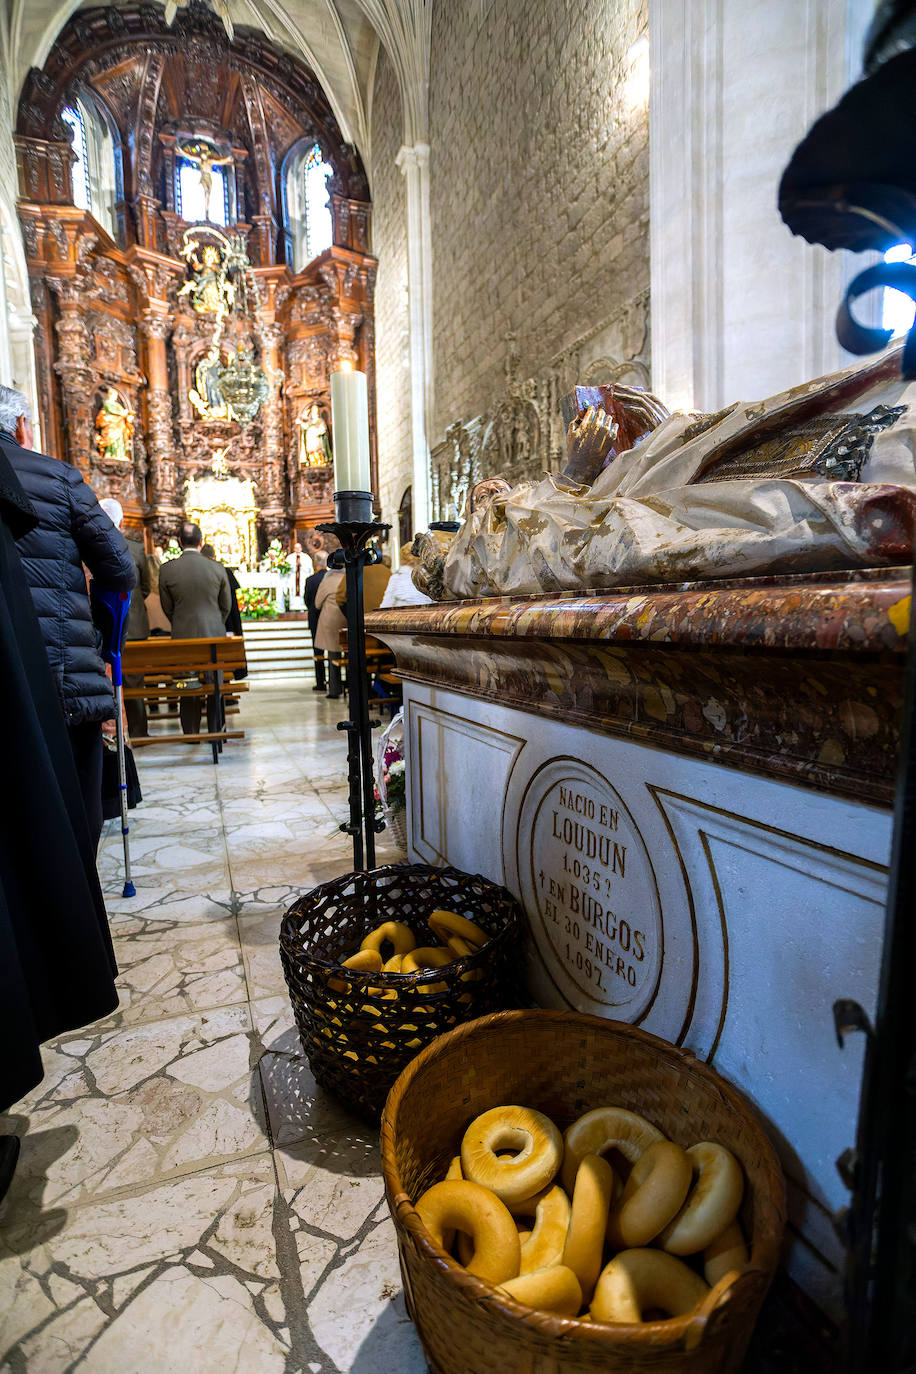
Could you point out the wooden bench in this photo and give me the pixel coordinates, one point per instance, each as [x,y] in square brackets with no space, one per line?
[380,665]
[165,665]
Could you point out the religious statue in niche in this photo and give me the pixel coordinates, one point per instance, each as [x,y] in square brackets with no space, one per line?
[208,288]
[205,396]
[205,157]
[314,441]
[114,427]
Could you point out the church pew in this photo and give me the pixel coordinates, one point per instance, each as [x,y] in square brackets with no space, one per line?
[163,663]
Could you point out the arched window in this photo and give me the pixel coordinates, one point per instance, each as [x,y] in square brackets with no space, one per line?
[307,213]
[94,178]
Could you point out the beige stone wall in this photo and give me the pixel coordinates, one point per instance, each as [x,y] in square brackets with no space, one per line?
[389,243]
[539,190]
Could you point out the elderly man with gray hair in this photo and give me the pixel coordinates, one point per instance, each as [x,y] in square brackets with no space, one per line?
[72,530]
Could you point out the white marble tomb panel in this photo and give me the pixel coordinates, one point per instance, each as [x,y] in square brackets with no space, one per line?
[459,768]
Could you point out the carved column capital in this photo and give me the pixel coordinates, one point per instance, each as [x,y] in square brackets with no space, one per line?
[411,156]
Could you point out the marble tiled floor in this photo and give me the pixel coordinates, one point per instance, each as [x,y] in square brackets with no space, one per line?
[187,1199]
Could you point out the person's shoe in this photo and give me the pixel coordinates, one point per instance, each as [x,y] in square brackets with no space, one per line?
[9,1153]
[334,696]
[319,687]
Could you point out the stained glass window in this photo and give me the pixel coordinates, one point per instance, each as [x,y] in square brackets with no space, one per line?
[318,230]
[82,195]
[308,214]
[94,173]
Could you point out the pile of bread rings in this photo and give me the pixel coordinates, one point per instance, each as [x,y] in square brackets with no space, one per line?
[392,949]
[554,1224]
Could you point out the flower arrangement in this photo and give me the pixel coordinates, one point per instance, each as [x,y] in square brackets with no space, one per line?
[275,560]
[173,551]
[255,604]
[393,770]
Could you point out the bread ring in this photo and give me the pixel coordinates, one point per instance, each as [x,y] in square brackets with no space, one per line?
[446,923]
[466,1206]
[712,1202]
[454,1172]
[726,1255]
[534,1135]
[398,935]
[364,961]
[546,1242]
[549,1290]
[637,1279]
[654,1193]
[588,1220]
[462,949]
[605,1128]
[430,956]
[393,965]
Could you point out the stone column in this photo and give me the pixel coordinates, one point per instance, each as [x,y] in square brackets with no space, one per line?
[273,485]
[414,164]
[160,444]
[77,379]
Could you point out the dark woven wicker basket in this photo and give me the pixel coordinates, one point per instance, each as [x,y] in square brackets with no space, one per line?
[358,1040]
[564,1063]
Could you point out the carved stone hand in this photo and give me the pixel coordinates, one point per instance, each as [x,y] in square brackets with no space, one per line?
[588,442]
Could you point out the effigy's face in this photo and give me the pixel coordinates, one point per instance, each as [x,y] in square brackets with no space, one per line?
[211,257]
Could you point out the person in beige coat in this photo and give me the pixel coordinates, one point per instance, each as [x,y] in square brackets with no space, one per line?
[330,623]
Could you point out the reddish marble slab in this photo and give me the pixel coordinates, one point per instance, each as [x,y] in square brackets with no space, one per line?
[796,677]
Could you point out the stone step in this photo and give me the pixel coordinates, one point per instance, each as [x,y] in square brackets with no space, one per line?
[278,650]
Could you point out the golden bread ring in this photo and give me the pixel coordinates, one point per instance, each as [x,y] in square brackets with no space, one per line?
[547,1240]
[462,949]
[726,1255]
[605,1128]
[454,1171]
[588,1220]
[712,1202]
[549,1290]
[393,965]
[446,923]
[363,961]
[531,1133]
[430,956]
[395,933]
[465,1206]
[637,1279]
[654,1193]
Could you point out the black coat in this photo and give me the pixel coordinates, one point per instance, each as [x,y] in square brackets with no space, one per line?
[57,967]
[72,530]
[309,592]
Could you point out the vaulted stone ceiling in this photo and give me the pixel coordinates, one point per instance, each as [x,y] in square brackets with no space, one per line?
[335,38]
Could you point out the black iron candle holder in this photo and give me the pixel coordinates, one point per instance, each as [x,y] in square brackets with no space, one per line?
[354,535]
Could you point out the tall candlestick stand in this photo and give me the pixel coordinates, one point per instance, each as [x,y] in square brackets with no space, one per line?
[354,528]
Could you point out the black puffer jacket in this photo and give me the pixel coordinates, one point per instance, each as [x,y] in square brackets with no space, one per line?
[72,530]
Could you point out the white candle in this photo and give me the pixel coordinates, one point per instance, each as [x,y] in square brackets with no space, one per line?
[350,420]
[395,550]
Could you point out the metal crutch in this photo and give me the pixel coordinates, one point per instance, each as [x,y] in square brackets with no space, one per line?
[112,622]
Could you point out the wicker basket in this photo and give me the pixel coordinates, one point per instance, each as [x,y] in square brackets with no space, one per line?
[564,1063]
[358,1040]
[396,822]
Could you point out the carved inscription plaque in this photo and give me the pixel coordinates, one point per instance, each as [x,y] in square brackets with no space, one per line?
[590,892]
